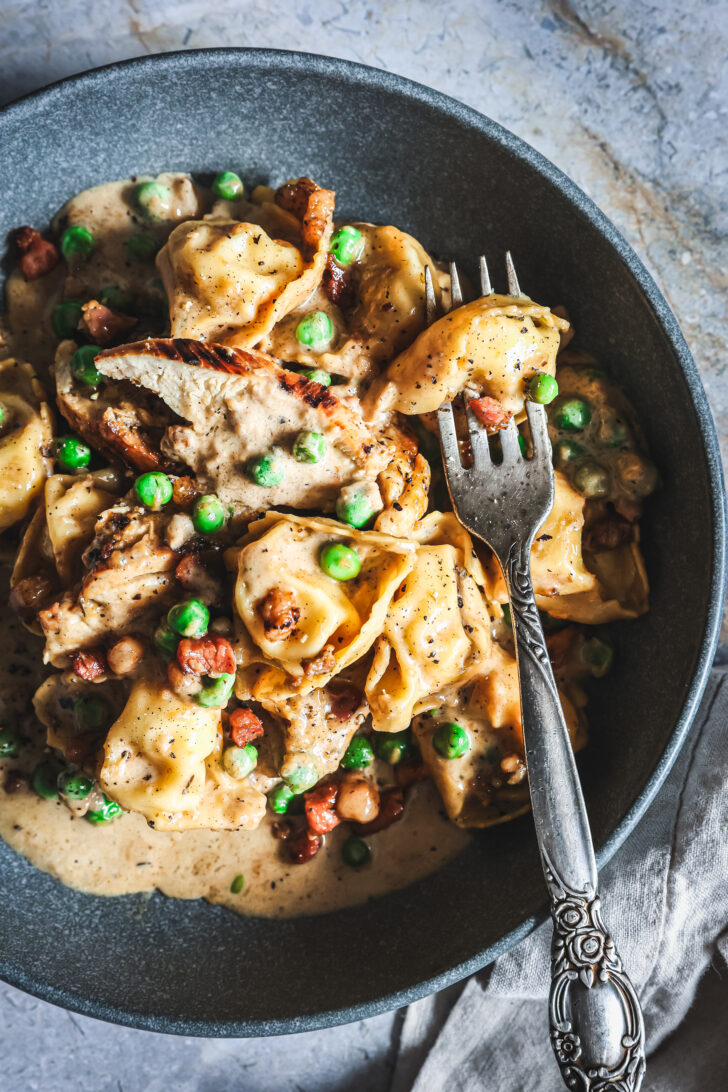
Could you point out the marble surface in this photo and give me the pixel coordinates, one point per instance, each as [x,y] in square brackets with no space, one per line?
[629,99]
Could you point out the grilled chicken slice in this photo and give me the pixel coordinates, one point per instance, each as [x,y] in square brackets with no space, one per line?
[129,582]
[123,424]
[242,404]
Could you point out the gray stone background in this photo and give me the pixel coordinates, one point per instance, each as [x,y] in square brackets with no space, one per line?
[629,99]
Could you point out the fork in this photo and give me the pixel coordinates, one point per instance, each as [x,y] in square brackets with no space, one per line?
[597,1030]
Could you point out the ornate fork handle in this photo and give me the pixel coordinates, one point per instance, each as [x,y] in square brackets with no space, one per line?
[597,1030]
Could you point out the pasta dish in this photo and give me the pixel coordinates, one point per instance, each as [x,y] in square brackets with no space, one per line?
[245,631]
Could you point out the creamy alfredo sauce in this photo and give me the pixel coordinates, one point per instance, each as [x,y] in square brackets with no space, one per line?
[125,856]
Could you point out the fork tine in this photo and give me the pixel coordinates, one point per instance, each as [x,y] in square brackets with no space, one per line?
[514,289]
[486,288]
[538,423]
[449,440]
[456,295]
[430,298]
[509,443]
[478,442]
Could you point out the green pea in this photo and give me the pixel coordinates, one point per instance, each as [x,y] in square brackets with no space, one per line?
[542,388]
[612,432]
[208,515]
[153,489]
[65,318]
[216,693]
[301,779]
[240,761]
[522,445]
[572,414]
[83,367]
[227,185]
[9,743]
[506,608]
[190,619]
[117,299]
[90,713]
[637,475]
[340,562]
[44,780]
[317,375]
[358,755]
[77,243]
[355,852]
[590,479]
[237,885]
[346,245]
[266,470]
[71,453]
[280,798]
[451,740]
[354,507]
[74,785]
[153,200]
[567,452]
[598,655]
[166,641]
[392,747]
[142,247]
[315,330]
[109,810]
[309,447]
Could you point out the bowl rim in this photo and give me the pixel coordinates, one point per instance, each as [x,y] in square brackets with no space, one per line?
[358,74]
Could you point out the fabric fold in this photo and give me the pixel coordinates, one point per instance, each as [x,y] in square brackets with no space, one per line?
[664,895]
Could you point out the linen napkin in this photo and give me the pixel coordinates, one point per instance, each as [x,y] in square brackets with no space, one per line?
[664,895]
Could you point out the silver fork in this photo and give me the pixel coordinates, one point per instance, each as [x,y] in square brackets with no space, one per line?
[597,1030]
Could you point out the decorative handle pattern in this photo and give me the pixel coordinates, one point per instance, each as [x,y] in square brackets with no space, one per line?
[527,628]
[597,1030]
[583,958]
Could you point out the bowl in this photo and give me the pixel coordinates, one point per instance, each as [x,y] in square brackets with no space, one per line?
[395,152]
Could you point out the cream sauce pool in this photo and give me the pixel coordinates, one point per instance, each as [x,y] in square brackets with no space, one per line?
[126,856]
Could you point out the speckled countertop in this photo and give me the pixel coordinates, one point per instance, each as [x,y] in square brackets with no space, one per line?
[629,99]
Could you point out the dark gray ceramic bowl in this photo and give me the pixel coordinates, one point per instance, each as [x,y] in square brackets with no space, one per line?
[395,152]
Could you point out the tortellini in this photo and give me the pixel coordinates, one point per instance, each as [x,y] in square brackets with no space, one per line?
[54,702]
[325,624]
[72,506]
[230,282]
[487,784]
[49,557]
[25,433]
[436,631]
[316,731]
[162,759]
[388,313]
[493,345]
[563,584]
